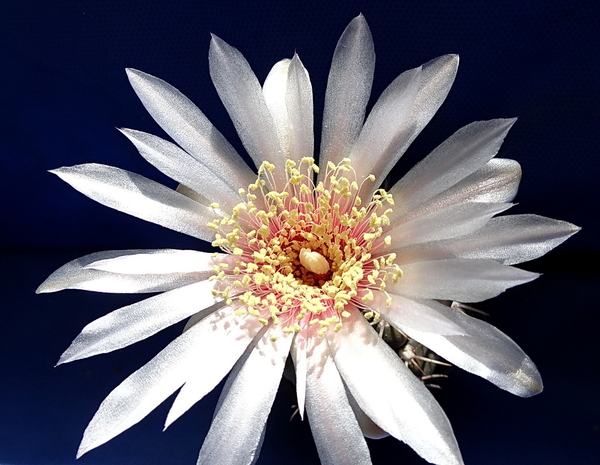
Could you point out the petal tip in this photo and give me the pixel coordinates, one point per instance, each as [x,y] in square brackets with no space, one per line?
[134,74]
[528,381]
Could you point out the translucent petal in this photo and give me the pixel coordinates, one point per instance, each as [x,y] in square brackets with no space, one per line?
[461,280]
[243,98]
[299,103]
[454,221]
[77,275]
[138,321]
[436,78]
[382,140]
[367,426]
[514,238]
[180,166]
[335,429]
[507,239]
[188,126]
[274,92]
[213,369]
[161,261]
[140,197]
[463,153]
[149,386]
[236,432]
[348,89]
[416,315]
[288,93]
[482,350]
[298,352]
[498,182]
[389,393]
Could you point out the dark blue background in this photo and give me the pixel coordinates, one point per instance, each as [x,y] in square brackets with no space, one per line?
[63,91]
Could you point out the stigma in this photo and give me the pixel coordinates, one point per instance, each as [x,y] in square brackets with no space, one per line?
[314,261]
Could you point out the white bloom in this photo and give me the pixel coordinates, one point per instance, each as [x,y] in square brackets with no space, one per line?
[308,267]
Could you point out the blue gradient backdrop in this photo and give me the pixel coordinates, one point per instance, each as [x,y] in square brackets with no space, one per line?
[63,90]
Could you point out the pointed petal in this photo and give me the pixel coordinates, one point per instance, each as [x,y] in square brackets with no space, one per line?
[77,275]
[497,182]
[463,153]
[348,89]
[188,126]
[149,386]
[454,221]
[335,429]
[436,78]
[288,93]
[180,166]
[243,98]
[274,91]
[389,393]
[138,321]
[514,239]
[161,261]
[382,140]
[235,434]
[298,352]
[482,349]
[230,343]
[140,197]
[461,280]
[299,103]
[367,426]
[416,315]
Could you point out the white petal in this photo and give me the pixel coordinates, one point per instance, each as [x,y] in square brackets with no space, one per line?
[298,352]
[348,89]
[149,386]
[389,393]
[230,343]
[382,140]
[236,432]
[161,261]
[140,197]
[274,92]
[77,275]
[337,435]
[180,166]
[435,80]
[132,323]
[463,153]
[482,350]
[299,103]
[514,238]
[461,280]
[498,182]
[416,315]
[454,221]
[288,94]
[188,126]
[367,426]
[243,98]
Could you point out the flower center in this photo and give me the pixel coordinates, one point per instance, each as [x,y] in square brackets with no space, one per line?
[305,253]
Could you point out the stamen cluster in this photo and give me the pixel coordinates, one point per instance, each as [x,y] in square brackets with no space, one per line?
[305,252]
